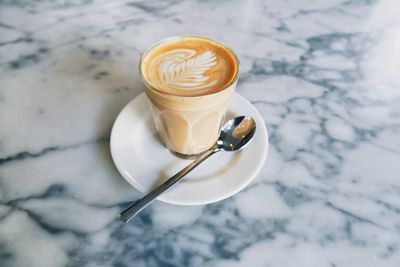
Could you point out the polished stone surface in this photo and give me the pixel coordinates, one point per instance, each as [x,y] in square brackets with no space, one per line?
[325,75]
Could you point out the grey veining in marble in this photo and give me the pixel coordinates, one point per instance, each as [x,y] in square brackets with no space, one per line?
[325,75]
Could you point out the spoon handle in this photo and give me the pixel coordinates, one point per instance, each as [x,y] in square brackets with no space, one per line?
[136,207]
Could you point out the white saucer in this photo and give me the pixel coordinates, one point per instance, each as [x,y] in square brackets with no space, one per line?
[144,162]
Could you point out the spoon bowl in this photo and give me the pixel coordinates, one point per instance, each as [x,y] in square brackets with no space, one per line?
[236,133]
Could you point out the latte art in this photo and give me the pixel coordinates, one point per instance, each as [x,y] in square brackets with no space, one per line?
[189,66]
[183,69]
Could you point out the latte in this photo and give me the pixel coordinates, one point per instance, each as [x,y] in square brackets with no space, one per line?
[189,82]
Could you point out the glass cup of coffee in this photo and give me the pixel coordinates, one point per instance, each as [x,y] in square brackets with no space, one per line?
[189,81]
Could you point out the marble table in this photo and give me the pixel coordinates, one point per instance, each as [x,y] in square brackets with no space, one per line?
[325,75]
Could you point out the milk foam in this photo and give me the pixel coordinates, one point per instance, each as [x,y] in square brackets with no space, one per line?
[183,69]
[189,66]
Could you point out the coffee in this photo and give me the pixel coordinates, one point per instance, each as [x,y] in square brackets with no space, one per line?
[189,82]
[189,66]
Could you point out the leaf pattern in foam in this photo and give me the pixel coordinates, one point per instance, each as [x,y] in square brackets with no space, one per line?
[188,73]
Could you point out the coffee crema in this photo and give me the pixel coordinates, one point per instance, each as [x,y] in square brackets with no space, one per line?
[189,66]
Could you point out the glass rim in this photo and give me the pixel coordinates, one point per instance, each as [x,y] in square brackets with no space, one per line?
[175,37]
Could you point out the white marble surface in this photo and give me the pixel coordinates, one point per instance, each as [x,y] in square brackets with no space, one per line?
[324,74]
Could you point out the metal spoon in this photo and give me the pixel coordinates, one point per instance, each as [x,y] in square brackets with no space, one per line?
[234,135]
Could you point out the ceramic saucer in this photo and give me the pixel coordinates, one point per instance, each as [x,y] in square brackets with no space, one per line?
[144,162]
